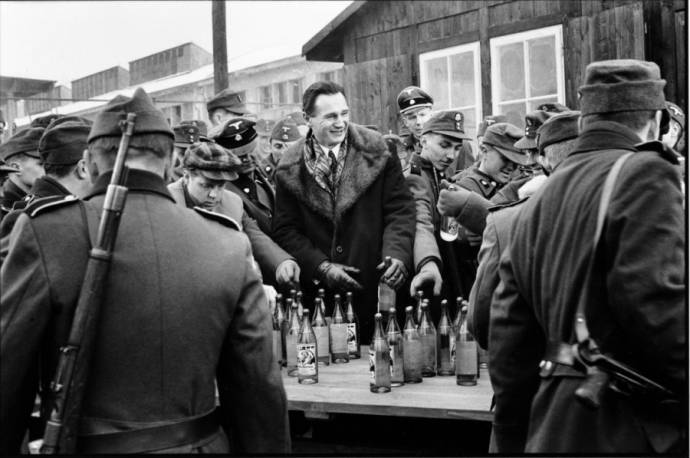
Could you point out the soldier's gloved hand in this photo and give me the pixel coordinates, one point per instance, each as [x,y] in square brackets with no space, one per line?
[396,273]
[287,273]
[429,273]
[336,276]
[452,199]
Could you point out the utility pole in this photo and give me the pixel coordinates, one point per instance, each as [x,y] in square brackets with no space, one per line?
[220,46]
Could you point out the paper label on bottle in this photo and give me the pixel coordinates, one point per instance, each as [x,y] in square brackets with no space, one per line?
[321,333]
[306,359]
[338,338]
[352,337]
[466,358]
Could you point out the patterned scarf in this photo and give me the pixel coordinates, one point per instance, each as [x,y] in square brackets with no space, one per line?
[324,167]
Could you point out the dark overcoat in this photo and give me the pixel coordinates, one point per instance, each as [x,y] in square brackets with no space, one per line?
[636,309]
[372,216]
[183,309]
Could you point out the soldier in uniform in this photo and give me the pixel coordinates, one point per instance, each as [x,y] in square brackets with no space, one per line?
[21,153]
[186,133]
[632,280]
[225,105]
[183,312]
[263,128]
[61,150]
[674,137]
[284,135]
[414,106]
[252,185]
[45,121]
[298,118]
[208,168]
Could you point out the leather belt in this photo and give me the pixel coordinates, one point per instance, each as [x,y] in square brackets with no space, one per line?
[150,439]
[559,361]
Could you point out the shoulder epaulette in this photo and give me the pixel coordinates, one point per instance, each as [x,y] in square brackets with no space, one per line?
[223,219]
[661,148]
[496,208]
[50,203]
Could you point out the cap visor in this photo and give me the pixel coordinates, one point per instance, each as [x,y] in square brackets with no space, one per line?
[7,169]
[225,175]
[452,134]
[420,105]
[526,143]
[182,145]
[518,158]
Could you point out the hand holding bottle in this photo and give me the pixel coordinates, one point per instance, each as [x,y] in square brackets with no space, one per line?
[336,276]
[428,274]
[395,273]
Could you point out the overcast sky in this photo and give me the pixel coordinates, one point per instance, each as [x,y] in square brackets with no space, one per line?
[64,41]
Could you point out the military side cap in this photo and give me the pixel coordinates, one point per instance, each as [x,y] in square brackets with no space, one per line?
[201,125]
[211,161]
[621,85]
[448,123]
[149,119]
[235,132]
[25,141]
[44,121]
[286,130]
[64,141]
[264,127]
[676,114]
[488,120]
[185,135]
[533,120]
[413,97]
[553,107]
[298,117]
[558,128]
[502,136]
[229,100]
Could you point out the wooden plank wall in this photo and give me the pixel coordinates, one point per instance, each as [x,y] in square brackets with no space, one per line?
[382,42]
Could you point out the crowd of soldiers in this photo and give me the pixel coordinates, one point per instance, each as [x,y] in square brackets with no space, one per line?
[220,218]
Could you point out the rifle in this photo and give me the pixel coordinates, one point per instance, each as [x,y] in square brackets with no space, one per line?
[69,382]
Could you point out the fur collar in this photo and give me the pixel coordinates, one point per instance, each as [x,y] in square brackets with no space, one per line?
[365,161]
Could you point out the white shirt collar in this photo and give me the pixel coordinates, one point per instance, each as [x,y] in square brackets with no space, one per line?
[335,149]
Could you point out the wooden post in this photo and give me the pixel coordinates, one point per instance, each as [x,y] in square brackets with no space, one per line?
[220,47]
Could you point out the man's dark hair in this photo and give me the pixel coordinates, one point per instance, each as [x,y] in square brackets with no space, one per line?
[159,145]
[635,120]
[59,170]
[315,90]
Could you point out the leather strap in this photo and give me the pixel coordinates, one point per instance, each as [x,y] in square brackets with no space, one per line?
[151,439]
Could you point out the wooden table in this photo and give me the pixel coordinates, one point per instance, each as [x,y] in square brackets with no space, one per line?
[344,388]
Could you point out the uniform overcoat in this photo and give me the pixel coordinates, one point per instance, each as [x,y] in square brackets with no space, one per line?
[372,215]
[636,301]
[183,308]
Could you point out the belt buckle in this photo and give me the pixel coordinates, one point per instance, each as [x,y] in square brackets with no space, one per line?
[546,368]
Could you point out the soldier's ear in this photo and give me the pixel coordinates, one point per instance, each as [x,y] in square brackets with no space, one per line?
[82,170]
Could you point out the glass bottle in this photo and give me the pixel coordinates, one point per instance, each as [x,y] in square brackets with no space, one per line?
[455,327]
[396,349]
[418,309]
[321,332]
[386,294]
[427,334]
[412,349]
[300,306]
[466,366]
[353,341]
[449,225]
[291,341]
[338,334]
[322,295]
[445,362]
[278,340]
[379,360]
[307,353]
[288,310]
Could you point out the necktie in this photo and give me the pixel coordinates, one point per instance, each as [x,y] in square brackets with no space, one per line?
[333,167]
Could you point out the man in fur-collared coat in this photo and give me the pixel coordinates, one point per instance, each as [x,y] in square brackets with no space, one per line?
[342,205]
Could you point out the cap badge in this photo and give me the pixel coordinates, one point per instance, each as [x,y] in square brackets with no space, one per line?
[286,129]
[236,125]
[412,102]
[458,121]
[675,110]
[238,137]
[409,91]
[285,136]
[490,121]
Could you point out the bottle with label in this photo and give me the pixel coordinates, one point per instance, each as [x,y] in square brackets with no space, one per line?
[449,226]
[379,360]
[307,353]
[338,334]
[386,294]
[321,332]
[300,306]
[466,366]
[278,338]
[288,310]
[353,341]
[455,327]
[291,341]
[395,340]
[412,349]
[444,352]
[427,334]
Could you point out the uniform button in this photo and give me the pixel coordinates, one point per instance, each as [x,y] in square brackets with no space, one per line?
[339,249]
[246,190]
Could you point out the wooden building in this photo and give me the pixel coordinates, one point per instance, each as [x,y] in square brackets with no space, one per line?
[494,56]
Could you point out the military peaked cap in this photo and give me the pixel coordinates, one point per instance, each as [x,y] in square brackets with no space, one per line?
[235,132]
[25,141]
[533,120]
[502,137]
[64,141]
[413,97]
[488,120]
[44,121]
[298,117]
[286,130]
[264,127]
[228,100]
[188,132]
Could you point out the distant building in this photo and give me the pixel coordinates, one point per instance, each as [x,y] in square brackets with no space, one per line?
[100,83]
[172,61]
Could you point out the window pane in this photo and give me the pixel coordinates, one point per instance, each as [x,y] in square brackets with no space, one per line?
[462,79]
[515,112]
[512,78]
[533,104]
[542,66]
[437,86]
[296,90]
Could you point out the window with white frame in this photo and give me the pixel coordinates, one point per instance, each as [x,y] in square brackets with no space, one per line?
[265,98]
[526,71]
[452,76]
